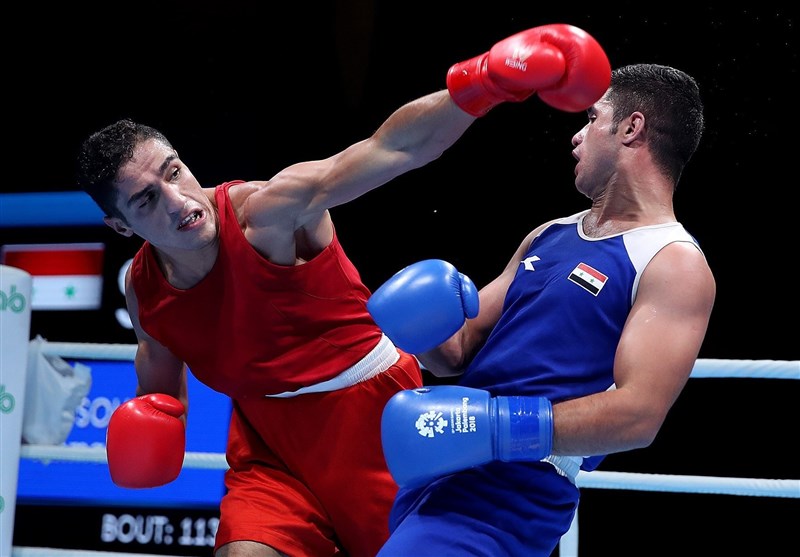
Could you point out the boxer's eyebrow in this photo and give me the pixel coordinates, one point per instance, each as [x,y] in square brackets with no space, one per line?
[149,187]
[139,194]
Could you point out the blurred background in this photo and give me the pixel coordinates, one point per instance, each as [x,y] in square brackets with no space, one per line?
[244,88]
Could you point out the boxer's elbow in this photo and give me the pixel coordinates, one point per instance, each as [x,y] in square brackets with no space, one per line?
[644,429]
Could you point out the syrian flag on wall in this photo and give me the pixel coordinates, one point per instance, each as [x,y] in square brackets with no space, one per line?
[65,276]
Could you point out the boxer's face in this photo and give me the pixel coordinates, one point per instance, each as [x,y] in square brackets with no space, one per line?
[162,201]
[596,150]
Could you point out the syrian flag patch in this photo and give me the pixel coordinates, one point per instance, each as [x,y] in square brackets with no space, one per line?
[588,278]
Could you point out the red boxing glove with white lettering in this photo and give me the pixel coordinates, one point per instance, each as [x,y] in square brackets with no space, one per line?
[563,64]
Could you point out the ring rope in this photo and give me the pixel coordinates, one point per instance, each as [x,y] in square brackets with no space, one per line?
[97,455]
[596,479]
[89,350]
[756,487]
[751,369]
[703,368]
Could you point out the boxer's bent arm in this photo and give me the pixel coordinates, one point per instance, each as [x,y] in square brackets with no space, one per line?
[158,370]
[659,345]
[452,356]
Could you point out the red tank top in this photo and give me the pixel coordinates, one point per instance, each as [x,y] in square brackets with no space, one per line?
[251,327]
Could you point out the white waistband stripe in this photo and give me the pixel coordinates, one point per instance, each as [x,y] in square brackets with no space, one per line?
[378,360]
[567,466]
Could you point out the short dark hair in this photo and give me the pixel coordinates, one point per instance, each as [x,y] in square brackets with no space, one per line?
[670,101]
[104,152]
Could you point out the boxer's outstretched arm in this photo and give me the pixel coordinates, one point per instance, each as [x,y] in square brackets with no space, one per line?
[411,137]
[563,63]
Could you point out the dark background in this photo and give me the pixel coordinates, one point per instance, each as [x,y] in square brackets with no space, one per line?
[243,89]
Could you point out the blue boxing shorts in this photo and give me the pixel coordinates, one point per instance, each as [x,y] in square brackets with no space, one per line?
[501,509]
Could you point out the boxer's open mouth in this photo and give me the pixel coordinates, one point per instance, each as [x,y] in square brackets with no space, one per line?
[194,216]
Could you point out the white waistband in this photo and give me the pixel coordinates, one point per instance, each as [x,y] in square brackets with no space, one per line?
[378,360]
[567,466]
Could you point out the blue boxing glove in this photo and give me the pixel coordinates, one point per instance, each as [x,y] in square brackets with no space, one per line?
[430,432]
[423,305]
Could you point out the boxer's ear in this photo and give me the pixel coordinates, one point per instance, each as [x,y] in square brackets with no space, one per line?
[119,226]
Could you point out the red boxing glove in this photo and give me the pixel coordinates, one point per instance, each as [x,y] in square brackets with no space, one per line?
[563,64]
[146,441]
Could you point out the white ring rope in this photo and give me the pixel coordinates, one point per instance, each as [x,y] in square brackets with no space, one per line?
[90,351]
[750,369]
[596,479]
[756,487]
[703,368]
[97,455]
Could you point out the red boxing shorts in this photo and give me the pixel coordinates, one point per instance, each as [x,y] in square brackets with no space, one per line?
[307,474]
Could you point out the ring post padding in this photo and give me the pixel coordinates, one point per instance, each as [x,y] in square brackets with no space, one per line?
[15,327]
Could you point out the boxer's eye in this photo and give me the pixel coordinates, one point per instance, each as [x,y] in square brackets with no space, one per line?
[146,199]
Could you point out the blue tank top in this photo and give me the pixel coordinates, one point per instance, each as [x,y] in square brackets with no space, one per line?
[564,312]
